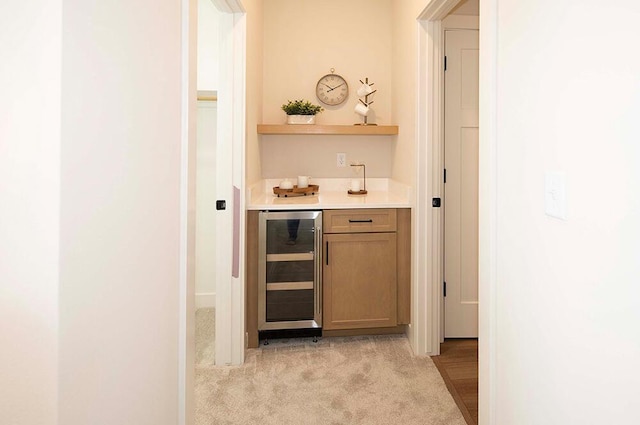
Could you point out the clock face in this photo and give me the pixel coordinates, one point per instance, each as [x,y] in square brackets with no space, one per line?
[332,89]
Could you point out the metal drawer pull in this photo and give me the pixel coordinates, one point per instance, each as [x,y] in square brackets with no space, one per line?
[370,220]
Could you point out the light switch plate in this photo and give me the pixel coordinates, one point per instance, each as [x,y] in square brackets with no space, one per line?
[555,195]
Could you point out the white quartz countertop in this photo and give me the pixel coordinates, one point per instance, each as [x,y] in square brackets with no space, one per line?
[332,194]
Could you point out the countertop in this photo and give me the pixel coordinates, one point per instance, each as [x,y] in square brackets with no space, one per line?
[332,194]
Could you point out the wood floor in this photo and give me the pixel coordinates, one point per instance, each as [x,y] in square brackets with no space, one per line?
[458,365]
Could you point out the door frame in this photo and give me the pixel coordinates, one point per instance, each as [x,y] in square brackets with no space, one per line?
[427,299]
[487,213]
[428,275]
[186,320]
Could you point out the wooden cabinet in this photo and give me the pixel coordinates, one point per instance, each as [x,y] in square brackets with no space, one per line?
[366,271]
[366,275]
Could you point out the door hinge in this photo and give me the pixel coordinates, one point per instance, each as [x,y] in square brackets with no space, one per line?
[445,175]
[445,63]
[435,202]
[444,288]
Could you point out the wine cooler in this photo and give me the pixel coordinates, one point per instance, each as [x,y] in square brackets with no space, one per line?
[290,269]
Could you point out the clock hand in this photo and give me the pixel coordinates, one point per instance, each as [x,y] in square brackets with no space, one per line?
[330,88]
[333,88]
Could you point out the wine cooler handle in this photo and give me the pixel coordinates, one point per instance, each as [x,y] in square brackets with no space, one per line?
[318,275]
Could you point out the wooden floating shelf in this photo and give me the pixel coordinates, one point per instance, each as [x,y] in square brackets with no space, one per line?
[362,130]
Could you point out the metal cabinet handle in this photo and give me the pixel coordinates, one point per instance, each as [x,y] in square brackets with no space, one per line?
[370,220]
[326,255]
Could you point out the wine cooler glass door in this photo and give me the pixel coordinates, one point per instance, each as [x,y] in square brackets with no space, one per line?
[289,284]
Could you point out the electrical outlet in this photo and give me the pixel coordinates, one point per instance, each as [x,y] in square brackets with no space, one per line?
[341,160]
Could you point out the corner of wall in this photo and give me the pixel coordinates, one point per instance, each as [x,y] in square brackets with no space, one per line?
[254,64]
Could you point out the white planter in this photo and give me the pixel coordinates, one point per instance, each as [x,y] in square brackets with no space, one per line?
[301,119]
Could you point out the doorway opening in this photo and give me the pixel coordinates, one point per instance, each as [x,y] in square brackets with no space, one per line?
[429,282]
[458,360]
[205,250]
[435,21]
[460,176]
[228,166]
[226,179]
[208,60]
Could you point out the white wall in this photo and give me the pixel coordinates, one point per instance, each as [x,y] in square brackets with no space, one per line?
[405,86]
[90,174]
[120,277]
[30,46]
[303,40]
[208,75]
[291,156]
[388,56]
[206,205]
[254,67]
[567,310]
[208,45]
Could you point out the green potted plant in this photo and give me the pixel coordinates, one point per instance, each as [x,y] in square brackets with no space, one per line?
[301,111]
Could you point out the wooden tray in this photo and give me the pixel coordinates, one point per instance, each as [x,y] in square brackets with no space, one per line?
[311,190]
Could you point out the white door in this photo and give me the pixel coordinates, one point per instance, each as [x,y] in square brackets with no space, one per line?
[461,184]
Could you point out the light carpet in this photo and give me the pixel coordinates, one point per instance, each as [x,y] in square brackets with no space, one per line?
[205,337]
[352,380]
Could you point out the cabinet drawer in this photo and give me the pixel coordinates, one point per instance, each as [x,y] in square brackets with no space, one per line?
[359,221]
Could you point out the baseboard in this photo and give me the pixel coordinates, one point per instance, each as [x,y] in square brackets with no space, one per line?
[205,300]
[401,329]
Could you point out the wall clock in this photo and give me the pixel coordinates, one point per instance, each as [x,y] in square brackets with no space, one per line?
[332,89]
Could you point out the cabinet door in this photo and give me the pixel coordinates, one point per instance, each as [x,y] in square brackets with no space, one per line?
[359,281]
